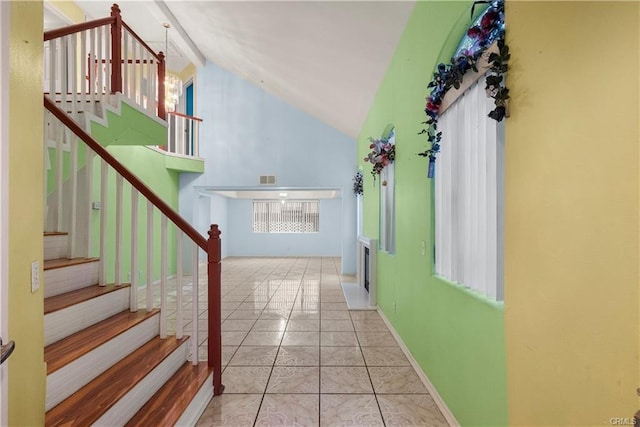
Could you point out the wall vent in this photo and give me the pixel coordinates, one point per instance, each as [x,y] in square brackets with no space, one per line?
[267,179]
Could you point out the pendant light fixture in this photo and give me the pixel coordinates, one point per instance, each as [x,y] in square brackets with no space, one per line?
[172,83]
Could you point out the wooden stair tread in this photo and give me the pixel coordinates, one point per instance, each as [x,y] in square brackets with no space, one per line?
[168,404]
[65,351]
[66,262]
[88,404]
[55,233]
[58,302]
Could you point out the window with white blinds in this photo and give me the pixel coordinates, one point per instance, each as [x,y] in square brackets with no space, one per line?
[286,216]
[469,192]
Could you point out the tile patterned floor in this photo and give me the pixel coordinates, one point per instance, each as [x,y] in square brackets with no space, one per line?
[294,355]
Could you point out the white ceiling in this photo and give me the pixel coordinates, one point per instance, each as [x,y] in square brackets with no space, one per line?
[327,58]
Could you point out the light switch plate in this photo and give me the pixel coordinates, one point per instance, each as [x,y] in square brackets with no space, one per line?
[35,276]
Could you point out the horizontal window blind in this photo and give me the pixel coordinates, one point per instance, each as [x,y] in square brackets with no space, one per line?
[469,195]
[285,216]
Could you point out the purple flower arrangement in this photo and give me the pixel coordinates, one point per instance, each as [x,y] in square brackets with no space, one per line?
[487,29]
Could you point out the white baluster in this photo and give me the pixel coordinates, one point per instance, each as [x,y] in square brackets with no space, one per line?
[125,57]
[118,249]
[74,71]
[196,138]
[136,71]
[83,71]
[99,73]
[107,61]
[59,176]
[149,256]
[73,180]
[89,208]
[163,276]
[179,321]
[53,47]
[104,191]
[194,307]
[133,296]
[153,74]
[91,71]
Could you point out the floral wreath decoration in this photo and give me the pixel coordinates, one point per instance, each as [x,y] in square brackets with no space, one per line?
[488,28]
[383,152]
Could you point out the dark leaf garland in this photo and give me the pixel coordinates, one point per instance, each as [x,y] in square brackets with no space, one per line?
[357,184]
[489,29]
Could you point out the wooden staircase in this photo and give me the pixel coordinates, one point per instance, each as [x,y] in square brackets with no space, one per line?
[107,365]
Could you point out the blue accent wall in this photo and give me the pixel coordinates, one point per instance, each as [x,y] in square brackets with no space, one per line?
[324,243]
[248,132]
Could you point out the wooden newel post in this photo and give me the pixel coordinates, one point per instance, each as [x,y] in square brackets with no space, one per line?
[214,271]
[116,50]
[162,109]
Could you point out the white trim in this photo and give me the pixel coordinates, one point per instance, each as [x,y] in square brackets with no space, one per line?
[168,153]
[440,403]
[57,13]
[4,192]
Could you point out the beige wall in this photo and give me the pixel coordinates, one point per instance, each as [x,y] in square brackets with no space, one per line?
[26,326]
[571,226]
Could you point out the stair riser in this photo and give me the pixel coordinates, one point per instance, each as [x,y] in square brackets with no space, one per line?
[192,414]
[55,246]
[123,410]
[66,279]
[68,321]
[66,381]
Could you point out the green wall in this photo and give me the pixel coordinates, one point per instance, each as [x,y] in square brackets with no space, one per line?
[149,166]
[456,336]
[125,137]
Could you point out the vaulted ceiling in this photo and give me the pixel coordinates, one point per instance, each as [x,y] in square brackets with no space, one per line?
[326,58]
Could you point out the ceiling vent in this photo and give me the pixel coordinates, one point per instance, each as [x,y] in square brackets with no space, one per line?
[267,179]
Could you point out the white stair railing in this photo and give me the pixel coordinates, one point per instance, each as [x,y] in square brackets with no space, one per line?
[183,134]
[86,63]
[164,273]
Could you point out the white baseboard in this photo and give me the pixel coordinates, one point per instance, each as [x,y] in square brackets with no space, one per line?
[440,403]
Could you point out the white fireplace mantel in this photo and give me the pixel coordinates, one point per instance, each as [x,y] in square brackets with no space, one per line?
[371,244]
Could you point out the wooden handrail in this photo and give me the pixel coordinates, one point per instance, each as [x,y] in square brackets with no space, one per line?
[142,42]
[126,174]
[175,113]
[76,28]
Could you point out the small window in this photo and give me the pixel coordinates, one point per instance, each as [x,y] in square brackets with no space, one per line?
[286,216]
